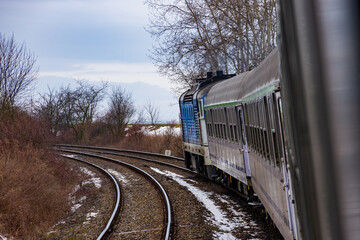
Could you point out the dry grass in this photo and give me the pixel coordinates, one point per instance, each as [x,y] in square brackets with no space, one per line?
[34,186]
[136,140]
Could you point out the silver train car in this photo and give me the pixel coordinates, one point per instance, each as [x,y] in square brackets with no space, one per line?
[320,87]
[289,130]
[246,141]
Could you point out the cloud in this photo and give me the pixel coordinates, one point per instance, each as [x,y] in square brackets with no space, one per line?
[73,11]
[113,72]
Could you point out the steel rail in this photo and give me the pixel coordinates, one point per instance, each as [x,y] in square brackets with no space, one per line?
[137,157]
[156,183]
[122,150]
[243,196]
[112,219]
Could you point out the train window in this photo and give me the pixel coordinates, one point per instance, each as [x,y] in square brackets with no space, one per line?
[214,124]
[223,124]
[236,134]
[241,128]
[251,126]
[208,129]
[209,121]
[263,129]
[260,132]
[218,123]
[226,124]
[276,135]
[224,131]
[252,134]
[247,125]
[266,129]
[201,108]
[282,126]
[256,128]
[270,120]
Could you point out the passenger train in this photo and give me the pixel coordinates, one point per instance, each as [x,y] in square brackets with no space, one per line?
[288,130]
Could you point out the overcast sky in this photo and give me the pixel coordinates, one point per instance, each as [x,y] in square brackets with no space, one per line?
[97,40]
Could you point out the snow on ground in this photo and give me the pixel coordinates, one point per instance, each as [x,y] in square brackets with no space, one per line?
[90,216]
[77,203]
[2,237]
[95,180]
[118,175]
[149,130]
[218,217]
[75,207]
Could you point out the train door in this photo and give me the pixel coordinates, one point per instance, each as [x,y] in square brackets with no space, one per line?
[286,172]
[243,140]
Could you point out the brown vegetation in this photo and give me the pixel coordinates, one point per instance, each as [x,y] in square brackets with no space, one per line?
[138,140]
[34,185]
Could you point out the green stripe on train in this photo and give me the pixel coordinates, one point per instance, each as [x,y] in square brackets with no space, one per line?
[262,92]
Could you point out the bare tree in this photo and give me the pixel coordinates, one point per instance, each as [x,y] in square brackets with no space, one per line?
[81,105]
[152,113]
[17,71]
[120,113]
[69,108]
[49,110]
[196,36]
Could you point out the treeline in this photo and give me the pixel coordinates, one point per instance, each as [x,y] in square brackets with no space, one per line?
[73,114]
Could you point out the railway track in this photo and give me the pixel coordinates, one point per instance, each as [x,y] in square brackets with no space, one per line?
[161,159]
[152,227]
[170,161]
[106,231]
[191,219]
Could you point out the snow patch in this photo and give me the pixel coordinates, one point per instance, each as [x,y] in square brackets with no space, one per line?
[77,204]
[69,155]
[151,130]
[218,217]
[75,207]
[161,131]
[118,175]
[2,237]
[91,215]
[95,180]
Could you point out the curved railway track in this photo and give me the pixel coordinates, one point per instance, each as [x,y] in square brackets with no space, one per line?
[189,216]
[129,153]
[166,232]
[170,161]
[105,232]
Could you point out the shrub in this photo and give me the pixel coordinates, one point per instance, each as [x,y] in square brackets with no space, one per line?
[34,185]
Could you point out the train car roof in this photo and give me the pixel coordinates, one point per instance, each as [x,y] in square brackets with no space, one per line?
[203,85]
[244,84]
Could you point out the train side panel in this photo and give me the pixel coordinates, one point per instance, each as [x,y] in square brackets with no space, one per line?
[189,122]
[224,141]
[267,160]
[267,182]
